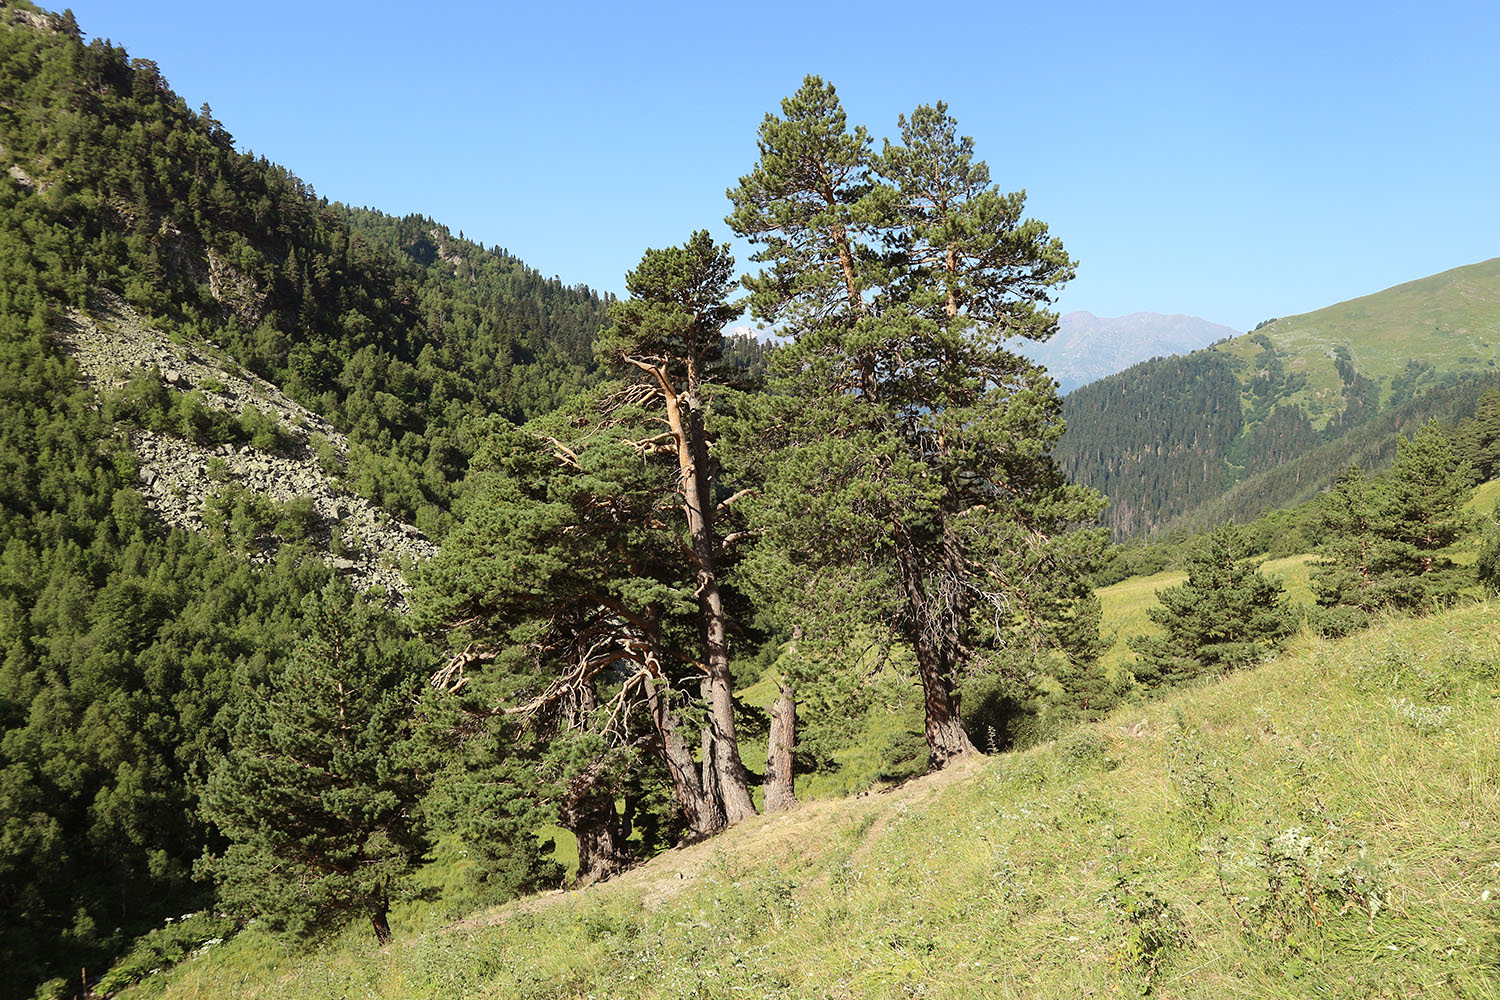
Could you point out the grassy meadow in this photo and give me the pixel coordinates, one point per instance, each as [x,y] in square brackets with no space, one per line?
[1327,825]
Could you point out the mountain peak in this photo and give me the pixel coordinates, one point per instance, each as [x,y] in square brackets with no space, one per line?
[1088,347]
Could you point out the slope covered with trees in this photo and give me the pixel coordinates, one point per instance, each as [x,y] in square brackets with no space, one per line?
[131,649]
[640,519]
[1155,439]
[126,646]
[1337,382]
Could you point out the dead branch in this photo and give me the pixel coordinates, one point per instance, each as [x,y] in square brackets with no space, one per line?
[450,677]
[734,497]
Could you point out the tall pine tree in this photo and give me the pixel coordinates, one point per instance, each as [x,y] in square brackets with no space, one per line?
[911,442]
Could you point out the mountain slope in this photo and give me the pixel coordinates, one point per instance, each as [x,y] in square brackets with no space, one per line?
[130,225]
[187,483]
[1088,347]
[1298,384]
[1448,322]
[1320,826]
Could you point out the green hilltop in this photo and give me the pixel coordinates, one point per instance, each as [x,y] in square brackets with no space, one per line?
[1448,321]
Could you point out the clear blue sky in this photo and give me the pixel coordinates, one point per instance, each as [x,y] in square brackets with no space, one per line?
[1229,160]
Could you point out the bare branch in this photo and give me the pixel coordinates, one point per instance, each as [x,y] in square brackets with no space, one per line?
[734,497]
[450,677]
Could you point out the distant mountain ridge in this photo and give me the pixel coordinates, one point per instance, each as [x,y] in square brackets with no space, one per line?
[1088,347]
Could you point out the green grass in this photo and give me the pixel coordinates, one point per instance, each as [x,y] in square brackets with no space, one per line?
[1327,825]
[1486,495]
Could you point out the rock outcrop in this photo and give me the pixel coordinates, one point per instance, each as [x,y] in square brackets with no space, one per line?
[179,478]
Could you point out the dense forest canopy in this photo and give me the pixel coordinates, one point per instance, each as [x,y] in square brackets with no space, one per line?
[125,641]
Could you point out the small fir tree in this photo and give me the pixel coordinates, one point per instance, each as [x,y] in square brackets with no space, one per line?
[1384,542]
[1420,512]
[317,793]
[1226,616]
[1343,580]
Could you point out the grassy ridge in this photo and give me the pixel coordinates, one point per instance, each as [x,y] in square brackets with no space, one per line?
[1450,320]
[1325,825]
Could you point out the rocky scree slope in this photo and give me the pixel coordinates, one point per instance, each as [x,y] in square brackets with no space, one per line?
[179,478]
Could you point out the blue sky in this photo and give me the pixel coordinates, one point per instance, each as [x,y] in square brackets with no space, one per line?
[1234,161]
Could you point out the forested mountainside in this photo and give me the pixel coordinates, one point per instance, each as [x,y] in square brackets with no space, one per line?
[123,641]
[351,570]
[197,710]
[1086,347]
[1293,386]
[391,328]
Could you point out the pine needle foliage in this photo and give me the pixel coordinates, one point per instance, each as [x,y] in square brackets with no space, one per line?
[1226,616]
[318,792]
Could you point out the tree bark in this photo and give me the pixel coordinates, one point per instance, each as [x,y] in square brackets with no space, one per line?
[379,922]
[704,813]
[780,793]
[936,662]
[946,739]
[590,816]
[733,784]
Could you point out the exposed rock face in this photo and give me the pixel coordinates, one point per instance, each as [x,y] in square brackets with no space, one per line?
[236,291]
[177,477]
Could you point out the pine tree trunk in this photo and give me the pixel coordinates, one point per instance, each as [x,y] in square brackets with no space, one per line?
[779,774]
[592,819]
[946,739]
[936,653]
[381,925]
[733,783]
[704,813]
[708,751]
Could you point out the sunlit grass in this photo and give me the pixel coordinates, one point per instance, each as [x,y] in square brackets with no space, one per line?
[1140,853]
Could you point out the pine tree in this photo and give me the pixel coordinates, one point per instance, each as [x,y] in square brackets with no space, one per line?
[567,567]
[666,341]
[1226,616]
[909,442]
[1484,455]
[1420,512]
[1385,542]
[318,793]
[1344,579]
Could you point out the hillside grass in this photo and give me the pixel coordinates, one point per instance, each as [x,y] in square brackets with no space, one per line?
[1450,320]
[1326,825]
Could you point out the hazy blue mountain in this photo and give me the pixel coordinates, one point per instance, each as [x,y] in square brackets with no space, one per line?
[1088,347]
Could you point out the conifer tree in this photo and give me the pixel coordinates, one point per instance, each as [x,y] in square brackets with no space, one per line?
[666,341]
[1420,510]
[1484,441]
[1385,542]
[567,571]
[1225,617]
[318,793]
[909,440]
[1344,579]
